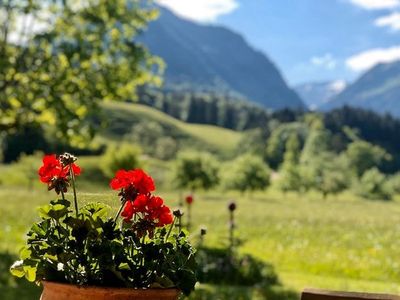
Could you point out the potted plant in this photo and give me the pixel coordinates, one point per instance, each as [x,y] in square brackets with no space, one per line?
[82,253]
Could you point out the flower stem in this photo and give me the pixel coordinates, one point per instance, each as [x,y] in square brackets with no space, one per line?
[170,229]
[71,172]
[142,258]
[180,224]
[189,216]
[62,195]
[119,211]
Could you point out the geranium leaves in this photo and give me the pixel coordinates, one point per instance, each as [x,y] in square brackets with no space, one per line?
[55,210]
[96,210]
[90,249]
[24,267]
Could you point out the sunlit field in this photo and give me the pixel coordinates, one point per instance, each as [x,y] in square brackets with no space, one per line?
[338,243]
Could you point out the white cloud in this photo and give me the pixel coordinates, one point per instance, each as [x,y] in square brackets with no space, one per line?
[392,21]
[200,10]
[376,4]
[367,59]
[326,61]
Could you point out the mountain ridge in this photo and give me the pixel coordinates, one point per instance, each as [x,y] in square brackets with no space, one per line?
[378,90]
[216,57]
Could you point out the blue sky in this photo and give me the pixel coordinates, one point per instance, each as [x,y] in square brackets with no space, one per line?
[309,40]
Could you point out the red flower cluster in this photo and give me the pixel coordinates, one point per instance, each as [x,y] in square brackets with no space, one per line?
[189,199]
[150,208]
[136,187]
[132,183]
[55,174]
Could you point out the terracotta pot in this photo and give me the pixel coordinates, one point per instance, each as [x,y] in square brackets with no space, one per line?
[61,291]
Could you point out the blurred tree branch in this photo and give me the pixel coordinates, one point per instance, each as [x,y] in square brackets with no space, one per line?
[60,59]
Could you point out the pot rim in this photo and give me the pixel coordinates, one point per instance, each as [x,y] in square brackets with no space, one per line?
[88,288]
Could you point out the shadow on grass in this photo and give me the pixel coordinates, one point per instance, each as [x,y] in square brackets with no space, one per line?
[226,292]
[227,275]
[12,288]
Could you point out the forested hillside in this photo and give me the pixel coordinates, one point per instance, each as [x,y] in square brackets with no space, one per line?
[207,107]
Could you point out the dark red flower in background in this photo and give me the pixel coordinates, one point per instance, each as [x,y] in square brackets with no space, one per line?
[55,174]
[189,199]
[132,183]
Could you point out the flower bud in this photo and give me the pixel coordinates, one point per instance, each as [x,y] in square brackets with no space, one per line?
[177,213]
[232,206]
[67,158]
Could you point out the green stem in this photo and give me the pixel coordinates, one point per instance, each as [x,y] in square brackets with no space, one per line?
[71,172]
[189,216]
[170,229]
[231,231]
[62,195]
[179,224]
[119,211]
[142,259]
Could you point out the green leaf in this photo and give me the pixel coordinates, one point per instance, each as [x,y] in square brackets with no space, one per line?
[17,269]
[36,229]
[96,210]
[124,266]
[74,222]
[25,253]
[30,273]
[187,280]
[63,202]
[58,211]
[44,211]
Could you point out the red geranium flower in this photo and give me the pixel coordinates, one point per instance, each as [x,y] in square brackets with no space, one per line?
[189,199]
[149,208]
[164,216]
[55,174]
[131,183]
[128,211]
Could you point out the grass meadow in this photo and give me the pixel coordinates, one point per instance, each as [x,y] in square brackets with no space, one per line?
[340,242]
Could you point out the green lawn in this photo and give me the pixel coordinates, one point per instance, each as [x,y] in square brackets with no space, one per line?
[338,243]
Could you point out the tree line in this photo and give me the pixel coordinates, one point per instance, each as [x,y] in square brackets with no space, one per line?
[211,107]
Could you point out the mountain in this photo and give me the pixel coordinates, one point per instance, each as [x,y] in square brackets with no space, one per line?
[378,90]
[216,58]
[316,94]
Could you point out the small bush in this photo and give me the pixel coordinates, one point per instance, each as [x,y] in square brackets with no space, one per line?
[247,173]
[195,171]
[372,185]
[393,184]
[124,156]
[166,148]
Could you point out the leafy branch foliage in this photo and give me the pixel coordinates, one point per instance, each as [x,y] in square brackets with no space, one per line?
[84,53]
